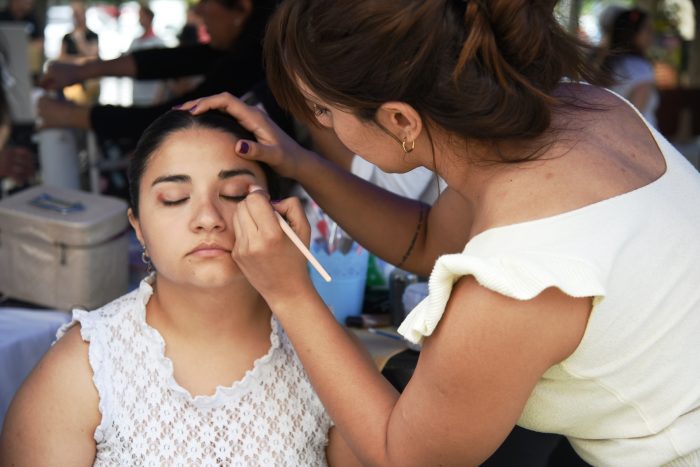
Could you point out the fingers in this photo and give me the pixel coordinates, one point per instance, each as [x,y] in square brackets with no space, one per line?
[293,211]
[258,190]
[251,118]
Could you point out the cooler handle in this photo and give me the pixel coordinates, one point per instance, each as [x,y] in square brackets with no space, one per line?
[46,201]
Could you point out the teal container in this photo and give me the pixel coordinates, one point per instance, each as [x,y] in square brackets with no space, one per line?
[345,294]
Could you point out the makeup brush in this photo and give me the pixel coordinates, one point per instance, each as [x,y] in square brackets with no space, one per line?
[297,241]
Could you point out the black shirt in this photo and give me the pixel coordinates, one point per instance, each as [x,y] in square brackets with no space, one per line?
[33,29]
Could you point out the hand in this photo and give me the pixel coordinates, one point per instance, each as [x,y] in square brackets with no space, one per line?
[265,255]
[17,163]
[61,74]
[274,146]
[54,113]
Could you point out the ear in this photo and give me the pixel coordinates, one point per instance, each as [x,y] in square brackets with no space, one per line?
[136,225]
[401,120]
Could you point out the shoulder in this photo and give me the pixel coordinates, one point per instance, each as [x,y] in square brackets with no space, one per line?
[597,149]
[55,412]
[504,345]
[63,374]
[112,312]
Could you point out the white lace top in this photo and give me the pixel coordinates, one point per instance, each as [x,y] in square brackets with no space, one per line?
[270,417]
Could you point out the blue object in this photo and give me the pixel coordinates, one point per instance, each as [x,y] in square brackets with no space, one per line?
[345,293]
[46,201]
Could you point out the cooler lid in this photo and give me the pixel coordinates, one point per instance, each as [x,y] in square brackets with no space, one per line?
[62,215]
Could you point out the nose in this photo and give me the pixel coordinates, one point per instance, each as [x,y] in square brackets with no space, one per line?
[207,216]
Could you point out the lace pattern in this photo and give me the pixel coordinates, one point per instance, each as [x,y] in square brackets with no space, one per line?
[271,416]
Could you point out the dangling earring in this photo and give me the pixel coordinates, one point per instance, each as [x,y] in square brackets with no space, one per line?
[146,260]
[405,147]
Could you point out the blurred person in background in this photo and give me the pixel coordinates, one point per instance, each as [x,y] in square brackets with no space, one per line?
[231,61]
[77,46]
[192,33]
[22,11]
[627,42]
[147,92]
[17,163]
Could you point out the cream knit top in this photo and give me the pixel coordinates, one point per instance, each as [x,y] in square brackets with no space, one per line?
[271,417]
[630,393]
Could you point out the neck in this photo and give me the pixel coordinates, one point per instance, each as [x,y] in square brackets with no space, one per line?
[208,315]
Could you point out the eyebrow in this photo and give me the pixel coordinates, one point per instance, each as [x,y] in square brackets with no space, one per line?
[223,175]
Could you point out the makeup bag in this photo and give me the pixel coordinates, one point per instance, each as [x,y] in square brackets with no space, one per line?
[63,248]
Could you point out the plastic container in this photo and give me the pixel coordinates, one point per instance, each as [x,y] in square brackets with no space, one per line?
[63,248]
[58,158]
[345,294]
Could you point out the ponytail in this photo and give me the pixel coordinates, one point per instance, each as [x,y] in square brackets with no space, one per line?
[479,69]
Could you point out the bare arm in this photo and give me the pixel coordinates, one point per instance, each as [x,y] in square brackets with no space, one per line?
[473,377]
[338,453]
[454,411]
[62,74]
[387,228]
[53,417]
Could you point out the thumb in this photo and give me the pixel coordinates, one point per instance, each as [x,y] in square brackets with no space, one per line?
[251,150]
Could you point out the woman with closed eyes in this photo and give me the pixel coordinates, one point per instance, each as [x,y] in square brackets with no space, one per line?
[191,368]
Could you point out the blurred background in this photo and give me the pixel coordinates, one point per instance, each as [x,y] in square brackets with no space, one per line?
[80,31]
[117,25]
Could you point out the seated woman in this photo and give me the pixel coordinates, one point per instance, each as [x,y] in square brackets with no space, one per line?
[191,368]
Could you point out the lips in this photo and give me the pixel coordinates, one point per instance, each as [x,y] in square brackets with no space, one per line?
[209,250]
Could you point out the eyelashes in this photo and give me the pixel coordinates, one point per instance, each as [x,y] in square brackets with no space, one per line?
[177,202]
[319,111]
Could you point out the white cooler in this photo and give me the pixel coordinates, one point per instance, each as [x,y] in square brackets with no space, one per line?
[63,248]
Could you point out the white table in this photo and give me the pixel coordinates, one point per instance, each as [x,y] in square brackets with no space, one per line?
[25,336]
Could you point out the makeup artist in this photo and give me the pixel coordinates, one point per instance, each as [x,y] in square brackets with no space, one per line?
[563,292]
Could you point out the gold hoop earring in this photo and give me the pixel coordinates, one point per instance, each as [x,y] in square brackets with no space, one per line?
[407,149]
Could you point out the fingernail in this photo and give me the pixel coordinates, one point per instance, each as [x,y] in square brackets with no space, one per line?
[177,107]
[243,148]
[256,188]
[193,108]
[276,201]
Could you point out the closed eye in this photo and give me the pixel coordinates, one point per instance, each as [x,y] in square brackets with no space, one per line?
[233,198]
[167,202]
[319,111]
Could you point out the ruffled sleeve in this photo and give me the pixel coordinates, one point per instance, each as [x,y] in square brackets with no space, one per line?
[519,275]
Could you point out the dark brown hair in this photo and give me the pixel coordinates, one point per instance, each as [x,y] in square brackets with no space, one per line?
[479,69]
[624,31]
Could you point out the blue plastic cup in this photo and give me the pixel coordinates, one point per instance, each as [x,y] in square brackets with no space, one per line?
[346,292]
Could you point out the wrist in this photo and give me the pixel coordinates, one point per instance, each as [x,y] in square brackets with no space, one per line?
[90,69]
[79,116]
[301,301]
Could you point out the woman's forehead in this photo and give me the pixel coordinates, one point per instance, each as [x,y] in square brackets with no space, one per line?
[197,148]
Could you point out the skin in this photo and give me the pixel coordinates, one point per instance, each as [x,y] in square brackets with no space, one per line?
[453,411]
[187,210]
